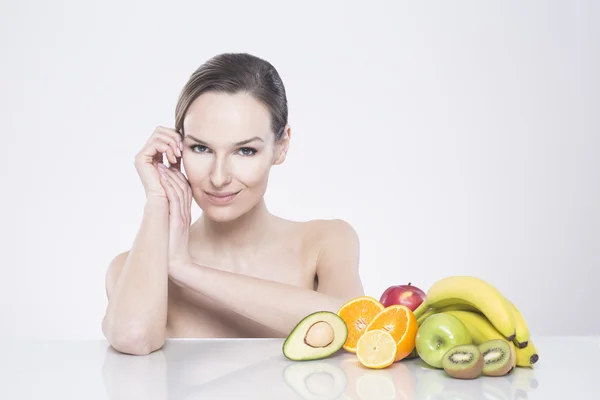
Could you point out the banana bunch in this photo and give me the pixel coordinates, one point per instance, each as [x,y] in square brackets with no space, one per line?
[484,310]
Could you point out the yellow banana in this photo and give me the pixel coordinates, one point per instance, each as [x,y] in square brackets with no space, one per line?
[452,307]
[474,292]
[423,317]
[458,307]
[521,328]
[481,329]
[479,326]
[527,356]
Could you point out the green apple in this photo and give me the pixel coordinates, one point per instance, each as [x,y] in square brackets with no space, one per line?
[438,334]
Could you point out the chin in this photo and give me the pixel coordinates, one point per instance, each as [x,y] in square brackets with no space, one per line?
[242,204]
[222,214]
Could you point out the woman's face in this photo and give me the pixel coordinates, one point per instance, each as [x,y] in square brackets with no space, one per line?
[228,151]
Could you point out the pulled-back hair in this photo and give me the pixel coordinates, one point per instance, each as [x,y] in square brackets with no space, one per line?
[233,73]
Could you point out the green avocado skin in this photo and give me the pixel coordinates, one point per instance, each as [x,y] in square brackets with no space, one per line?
[295,349]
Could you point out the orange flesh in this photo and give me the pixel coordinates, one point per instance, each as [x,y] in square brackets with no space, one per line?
[357,314]
[401,323]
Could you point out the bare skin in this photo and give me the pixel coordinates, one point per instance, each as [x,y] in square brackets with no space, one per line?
[288,257]
[237,271]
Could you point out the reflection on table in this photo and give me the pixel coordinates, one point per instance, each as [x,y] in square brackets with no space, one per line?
[232,369]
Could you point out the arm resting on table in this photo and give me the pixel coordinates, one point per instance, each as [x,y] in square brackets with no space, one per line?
[136,286]
[281,306]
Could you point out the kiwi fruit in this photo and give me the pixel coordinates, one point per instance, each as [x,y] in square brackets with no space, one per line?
[463,361]
[498,357]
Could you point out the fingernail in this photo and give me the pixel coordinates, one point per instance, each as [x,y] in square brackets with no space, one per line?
[181,146]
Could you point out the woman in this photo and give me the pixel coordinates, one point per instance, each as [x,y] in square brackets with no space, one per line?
[238,270]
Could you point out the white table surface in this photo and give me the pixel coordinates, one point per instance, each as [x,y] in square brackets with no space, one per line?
[256,369]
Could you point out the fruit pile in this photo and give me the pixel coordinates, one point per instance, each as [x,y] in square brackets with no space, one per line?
[462,325]
[467,327]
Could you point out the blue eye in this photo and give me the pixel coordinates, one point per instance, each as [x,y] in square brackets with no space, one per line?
[200,148]
[244,151]
[247,151]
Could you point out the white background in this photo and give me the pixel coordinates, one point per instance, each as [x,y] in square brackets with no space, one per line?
[456,137]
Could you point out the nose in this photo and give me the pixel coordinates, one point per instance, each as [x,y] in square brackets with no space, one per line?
[219,175]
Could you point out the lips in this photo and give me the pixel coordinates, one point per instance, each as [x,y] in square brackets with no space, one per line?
[221,198]
[219,195]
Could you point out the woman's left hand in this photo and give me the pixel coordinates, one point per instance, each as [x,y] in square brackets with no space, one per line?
[179,194]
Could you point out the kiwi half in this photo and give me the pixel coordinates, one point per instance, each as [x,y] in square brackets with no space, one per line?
[463,362]
[498,357]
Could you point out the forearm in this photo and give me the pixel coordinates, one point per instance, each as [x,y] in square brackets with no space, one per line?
[137,309]
[276,305]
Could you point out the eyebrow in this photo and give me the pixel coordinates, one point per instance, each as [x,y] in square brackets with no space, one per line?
[236,144]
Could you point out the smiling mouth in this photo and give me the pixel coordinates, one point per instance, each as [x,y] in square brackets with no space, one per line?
[221,198]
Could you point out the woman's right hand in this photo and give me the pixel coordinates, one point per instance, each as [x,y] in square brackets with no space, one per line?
[162,141]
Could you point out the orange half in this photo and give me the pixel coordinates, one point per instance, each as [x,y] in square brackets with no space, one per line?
[357,314]
[401,323]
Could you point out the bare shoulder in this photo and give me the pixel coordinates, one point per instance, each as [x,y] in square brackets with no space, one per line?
[330,234]
[338,252]
[335,243]
[333,250]
[321,237]
[115,266]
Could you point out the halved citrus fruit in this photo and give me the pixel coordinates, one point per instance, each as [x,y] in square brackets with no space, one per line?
[358,313]
[376,349]
[401,323]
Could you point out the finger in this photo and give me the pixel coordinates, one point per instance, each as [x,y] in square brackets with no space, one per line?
[177,187]
[180,187]
[178,178]
[175,181]
[163,147]
[174,203]
[187,198]
[182,176]
[170,132]
[177,165]
[174,143]
[186,191]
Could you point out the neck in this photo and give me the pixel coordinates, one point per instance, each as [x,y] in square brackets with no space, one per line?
[246,231]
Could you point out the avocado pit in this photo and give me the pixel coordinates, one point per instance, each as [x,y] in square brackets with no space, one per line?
[319,334]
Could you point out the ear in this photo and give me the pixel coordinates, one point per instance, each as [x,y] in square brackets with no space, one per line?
[283,145]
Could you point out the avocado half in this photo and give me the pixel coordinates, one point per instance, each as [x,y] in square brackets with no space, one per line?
[318,335]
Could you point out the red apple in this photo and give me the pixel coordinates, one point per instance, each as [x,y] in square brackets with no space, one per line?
[407,295]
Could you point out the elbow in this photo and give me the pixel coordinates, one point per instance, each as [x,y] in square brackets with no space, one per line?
[134,340]
[137,342]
